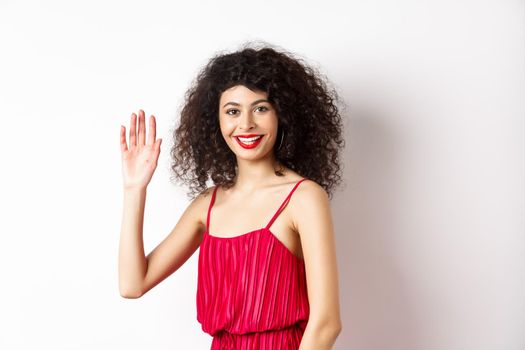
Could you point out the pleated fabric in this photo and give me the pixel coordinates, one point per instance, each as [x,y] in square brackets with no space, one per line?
[251,290]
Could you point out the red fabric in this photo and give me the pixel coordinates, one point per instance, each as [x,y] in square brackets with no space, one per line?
[251,290]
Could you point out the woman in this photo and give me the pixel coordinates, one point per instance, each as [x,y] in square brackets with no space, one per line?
[263,126]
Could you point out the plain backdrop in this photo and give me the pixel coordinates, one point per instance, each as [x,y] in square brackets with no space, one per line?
[430,219]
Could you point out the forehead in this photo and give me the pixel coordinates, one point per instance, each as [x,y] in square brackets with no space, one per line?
[240,93]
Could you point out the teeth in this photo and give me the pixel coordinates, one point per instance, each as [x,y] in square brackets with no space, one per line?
[248,139]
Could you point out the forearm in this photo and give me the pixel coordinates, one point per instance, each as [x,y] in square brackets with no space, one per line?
[319,336]
[132,261]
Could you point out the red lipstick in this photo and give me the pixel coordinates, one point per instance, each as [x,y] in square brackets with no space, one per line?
[249,146]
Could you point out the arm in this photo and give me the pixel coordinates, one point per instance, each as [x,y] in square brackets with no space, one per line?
[132,262]
[137,273]
[314,224]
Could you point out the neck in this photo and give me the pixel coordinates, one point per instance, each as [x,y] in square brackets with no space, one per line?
[254,174]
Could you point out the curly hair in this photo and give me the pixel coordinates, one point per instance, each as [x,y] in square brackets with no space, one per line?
[307,110]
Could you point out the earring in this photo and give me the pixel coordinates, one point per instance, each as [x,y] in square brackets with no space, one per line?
[281,142]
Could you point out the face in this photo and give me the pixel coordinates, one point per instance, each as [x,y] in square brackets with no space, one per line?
[243,112]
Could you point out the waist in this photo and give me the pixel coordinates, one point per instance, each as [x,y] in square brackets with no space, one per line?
[287,338]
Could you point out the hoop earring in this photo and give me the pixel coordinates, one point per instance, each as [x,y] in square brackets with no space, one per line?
[281,142]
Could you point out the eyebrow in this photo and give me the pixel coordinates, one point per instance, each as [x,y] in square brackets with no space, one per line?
[237,104]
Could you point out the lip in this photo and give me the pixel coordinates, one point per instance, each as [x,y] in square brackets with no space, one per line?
[253,145]
[248,135]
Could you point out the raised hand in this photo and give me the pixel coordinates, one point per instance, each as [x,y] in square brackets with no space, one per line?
[139,161]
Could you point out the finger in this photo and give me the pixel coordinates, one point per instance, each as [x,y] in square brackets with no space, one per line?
[142,128]
[123,144]
[152,130]
[132,131]
[159,141]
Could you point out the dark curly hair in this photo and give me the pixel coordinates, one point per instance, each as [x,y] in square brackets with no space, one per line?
[307,112]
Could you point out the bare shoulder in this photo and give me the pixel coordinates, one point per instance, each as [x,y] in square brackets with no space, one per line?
[199,205]
[204,196]
[312,199]
[196,211]
[310,193]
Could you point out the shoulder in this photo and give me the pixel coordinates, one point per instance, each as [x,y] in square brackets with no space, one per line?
[203,199]
[199,205]
[310,191]
[207,193]
[309,201]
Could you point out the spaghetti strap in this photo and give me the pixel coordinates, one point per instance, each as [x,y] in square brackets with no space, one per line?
[283,204]
[209,209]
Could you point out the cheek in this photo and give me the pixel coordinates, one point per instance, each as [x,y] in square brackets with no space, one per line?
[227,129]
[269,122]
[274,122]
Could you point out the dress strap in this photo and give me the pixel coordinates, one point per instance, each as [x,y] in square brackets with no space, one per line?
[284,203]
[209,208]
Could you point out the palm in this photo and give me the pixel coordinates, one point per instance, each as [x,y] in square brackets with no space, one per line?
[139,161]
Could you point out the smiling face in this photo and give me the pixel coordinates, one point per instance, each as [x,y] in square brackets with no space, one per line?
[243,112]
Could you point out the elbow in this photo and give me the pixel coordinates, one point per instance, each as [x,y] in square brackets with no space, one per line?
[331,333]
[329,329]
[334,329]
[130,293]
[338,328]
[126,295]
[130,288]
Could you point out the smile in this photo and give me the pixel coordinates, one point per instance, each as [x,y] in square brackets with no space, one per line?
[249,142]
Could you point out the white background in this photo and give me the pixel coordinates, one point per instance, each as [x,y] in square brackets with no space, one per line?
[429,226]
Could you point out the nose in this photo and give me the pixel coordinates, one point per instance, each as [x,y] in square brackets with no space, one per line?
[246,121]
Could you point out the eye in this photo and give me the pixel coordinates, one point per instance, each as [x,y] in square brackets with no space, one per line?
[263,107]
[229,110]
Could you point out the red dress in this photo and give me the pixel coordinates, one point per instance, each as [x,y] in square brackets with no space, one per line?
[251,290]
